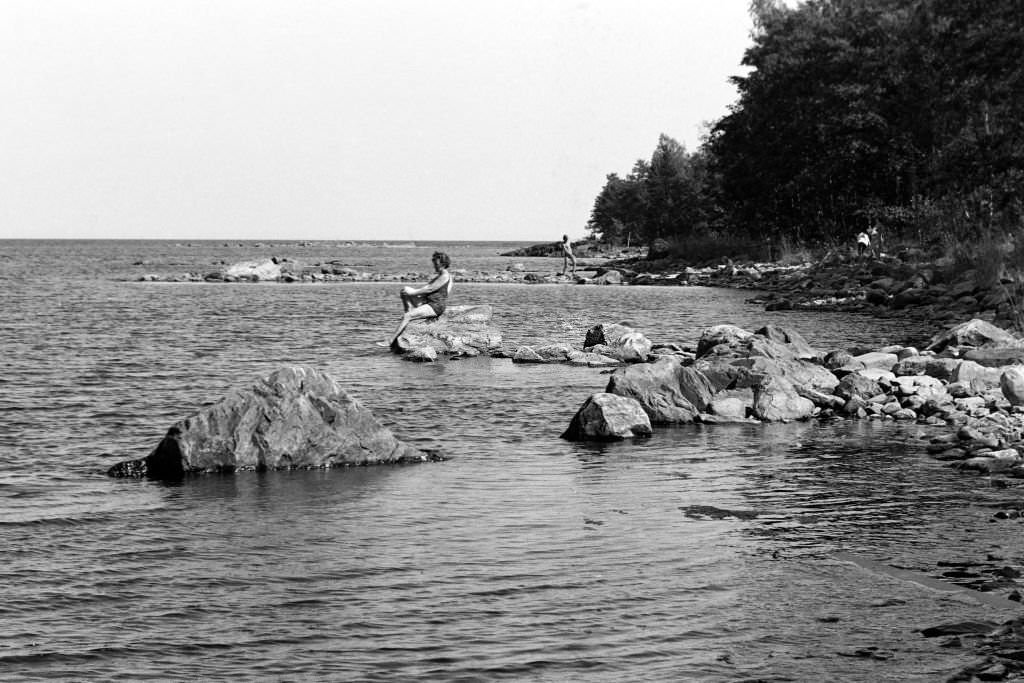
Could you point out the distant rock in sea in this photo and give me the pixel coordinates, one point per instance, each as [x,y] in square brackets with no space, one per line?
[296,418]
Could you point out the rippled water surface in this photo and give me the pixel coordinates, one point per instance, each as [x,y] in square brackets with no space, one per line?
[523,557]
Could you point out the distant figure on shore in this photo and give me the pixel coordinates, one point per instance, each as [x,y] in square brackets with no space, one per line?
[863,243]
[875,237]
[428,301]
[567,255]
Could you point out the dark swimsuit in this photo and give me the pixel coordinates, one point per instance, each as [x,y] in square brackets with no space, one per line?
[438,299]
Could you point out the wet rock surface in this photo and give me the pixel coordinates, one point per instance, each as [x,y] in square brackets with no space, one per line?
[607,417]
[459,331]
[295,418]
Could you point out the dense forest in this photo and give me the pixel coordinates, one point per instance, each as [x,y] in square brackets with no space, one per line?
[906,114]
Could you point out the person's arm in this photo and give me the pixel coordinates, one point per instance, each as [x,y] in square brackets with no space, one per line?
[437,283]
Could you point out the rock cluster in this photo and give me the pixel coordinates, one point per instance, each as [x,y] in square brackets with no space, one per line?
[606,345]
[931,290]
[970,378]
[297,417]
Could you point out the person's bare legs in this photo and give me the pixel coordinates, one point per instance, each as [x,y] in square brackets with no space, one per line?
[410,301]
[418,313]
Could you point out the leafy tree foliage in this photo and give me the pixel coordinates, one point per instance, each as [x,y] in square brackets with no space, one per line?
[665,197]
[908,111]
[905,112]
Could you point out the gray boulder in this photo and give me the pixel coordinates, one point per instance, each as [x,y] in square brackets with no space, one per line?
[668,392]
[459,331]
[1012,385]
[610,277]
[872,359]
[857,385]
[268,269]
[618,341]
[607,334]
[592,360]
[939,368]
[973,333]
[549,353]
[796,371]
[776,400]
[297,417]
[994,357]
[607,417]
[970,372]
[730,335]
[791,338]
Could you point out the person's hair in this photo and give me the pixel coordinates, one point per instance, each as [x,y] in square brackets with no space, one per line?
[442,258]
[565,238]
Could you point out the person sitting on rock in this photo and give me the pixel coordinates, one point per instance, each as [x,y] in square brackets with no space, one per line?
[428,301]
[567,255]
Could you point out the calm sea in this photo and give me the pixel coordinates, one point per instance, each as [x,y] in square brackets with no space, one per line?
[523,557]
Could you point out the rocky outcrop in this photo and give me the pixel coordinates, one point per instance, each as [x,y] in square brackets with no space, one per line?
[773,375]
[459,331]
[777,400]
[618,341]
[975,334]
[668,392]
[605,345]
[269,269]
[297,417]
[607,417]
[561,353]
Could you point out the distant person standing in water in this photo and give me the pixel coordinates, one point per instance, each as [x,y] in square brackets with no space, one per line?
[876,241]
[567,255]
[428,301]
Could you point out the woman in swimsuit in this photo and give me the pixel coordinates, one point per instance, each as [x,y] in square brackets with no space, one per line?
[428,301]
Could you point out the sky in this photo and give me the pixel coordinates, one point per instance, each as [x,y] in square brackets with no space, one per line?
[345,119]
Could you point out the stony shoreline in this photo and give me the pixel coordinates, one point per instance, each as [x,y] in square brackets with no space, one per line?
[884,287]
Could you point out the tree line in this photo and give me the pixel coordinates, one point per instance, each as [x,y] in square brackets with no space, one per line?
[907,114]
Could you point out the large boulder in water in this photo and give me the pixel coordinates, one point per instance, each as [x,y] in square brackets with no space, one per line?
[459,331]
[790,338]
[776,400]
[607,417]
[668,392]
[269,269]
[297,417]
[618,341]
[730,335]
[1011,382]
[974,333]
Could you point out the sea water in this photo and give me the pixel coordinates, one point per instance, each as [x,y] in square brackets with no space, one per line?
[712,553]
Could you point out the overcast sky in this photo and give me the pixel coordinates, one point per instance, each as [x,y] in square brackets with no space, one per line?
[345,119]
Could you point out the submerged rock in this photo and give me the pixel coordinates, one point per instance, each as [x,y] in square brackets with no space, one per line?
[297,417]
